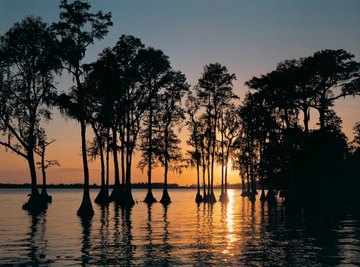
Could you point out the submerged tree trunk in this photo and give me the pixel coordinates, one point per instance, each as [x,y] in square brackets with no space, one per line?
[198,197]
[165,199]
[86,209]
[35,202]
[203,165]
[129,200]
[223,195]
[243,188]
[107,168]
[208,180]
[116,194]
[149,199]
[212,198]
[103,196]
[252,183]
[226,197]
[122,154]
[44,194]
[306,121]
[129,144]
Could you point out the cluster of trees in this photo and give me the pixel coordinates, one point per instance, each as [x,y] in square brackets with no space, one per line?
[280,150]
[132,99]
[213,125]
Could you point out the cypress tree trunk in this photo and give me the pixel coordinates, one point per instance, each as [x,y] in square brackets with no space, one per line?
[102,197]
[165,199]
[35,202]
[306,121]
[198,195]
[116,194]
[222,195]
[44,194]
[149,199]
[129,200]
[86,209]
[204,177]
[212,198]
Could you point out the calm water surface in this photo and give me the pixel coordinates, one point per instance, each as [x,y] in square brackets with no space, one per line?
[184,233]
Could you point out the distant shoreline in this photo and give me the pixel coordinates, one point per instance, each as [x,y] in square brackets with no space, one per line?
[133,186]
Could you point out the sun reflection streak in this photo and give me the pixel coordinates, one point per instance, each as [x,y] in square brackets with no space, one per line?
[230,236]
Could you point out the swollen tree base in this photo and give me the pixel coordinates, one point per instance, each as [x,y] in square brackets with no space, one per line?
[149,199]
[252,196]
[210,198]
[86,210]
[128,199]
[117,195]
[271,196]
[35,204]
[103,197]
[165,199]
[47,198]
[262,197]
[199,198]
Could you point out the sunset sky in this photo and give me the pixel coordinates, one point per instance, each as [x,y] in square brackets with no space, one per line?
[248,37]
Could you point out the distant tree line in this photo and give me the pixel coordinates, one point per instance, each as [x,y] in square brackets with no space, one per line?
[132,99]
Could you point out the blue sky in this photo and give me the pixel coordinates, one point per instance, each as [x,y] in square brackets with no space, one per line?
[249,37]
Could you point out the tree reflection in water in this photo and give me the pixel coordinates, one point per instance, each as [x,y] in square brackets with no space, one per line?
[104,236]
[149,248]
[37,240]
[167,246]
[203,253]
[240,232]
[86,224]
[123,247]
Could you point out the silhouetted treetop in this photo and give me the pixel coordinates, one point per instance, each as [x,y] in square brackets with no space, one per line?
[78,28]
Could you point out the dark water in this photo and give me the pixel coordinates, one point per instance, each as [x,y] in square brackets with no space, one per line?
[240,233]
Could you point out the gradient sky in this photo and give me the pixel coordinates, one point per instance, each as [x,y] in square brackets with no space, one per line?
[248,37]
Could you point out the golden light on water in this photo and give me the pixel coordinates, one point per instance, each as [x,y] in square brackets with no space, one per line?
[230,236]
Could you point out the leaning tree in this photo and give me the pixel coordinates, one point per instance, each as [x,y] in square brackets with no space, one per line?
[29,63]
[330,74]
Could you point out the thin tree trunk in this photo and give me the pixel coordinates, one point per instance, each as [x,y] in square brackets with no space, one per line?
[129,198]
[43,172]
[107,160]
[165,199]
[212,196]
[122,153]
[103,196]
[222,195]
[116,193]
[44,194]
[34,186]
[149,196]
[306,121]
[204,176]
[226,170]
[86,209]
